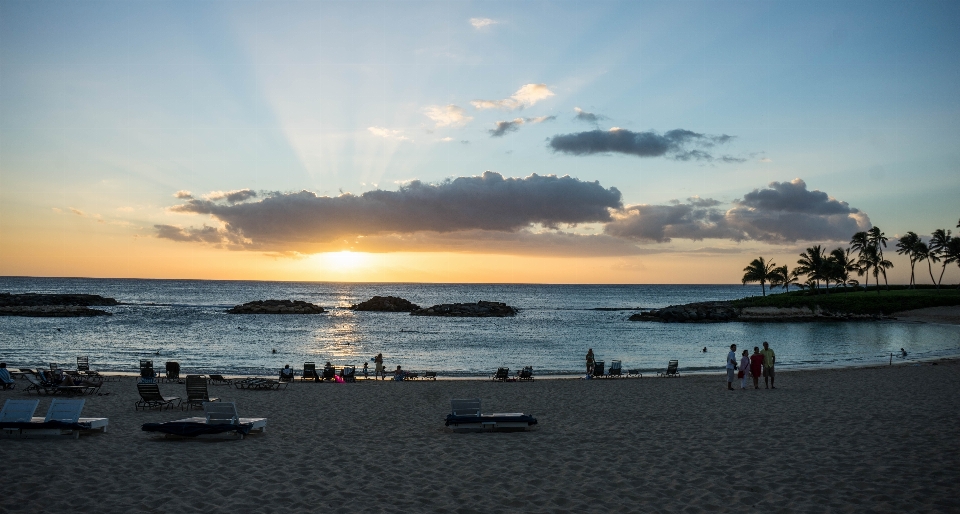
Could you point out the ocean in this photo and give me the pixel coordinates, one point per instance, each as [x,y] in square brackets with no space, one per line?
[185,321]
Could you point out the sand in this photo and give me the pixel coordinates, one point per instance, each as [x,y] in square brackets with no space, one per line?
[854,440]
[943,315]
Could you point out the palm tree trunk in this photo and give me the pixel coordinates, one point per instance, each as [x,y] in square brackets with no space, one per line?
[941,274]
[930,269]
[912,284]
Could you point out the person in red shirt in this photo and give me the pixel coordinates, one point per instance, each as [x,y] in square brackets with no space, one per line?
[756,360]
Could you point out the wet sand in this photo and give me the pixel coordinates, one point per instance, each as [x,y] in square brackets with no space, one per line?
[852,440]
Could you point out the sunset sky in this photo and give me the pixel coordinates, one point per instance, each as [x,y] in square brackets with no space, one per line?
[553,142]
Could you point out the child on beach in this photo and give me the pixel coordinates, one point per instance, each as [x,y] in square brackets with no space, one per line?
[731,366]
[590,362]
[744,370]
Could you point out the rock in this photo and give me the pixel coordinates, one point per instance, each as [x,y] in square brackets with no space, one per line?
[704,312]
[469,310]
[37,299]
[51,311]
[277,307]
[386,304]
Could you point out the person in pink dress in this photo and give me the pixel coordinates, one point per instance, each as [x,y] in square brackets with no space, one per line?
[756,361]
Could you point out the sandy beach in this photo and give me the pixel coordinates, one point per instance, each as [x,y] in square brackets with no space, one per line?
[880,439]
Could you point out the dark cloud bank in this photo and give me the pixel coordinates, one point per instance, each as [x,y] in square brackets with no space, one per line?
[785,212]
[493,214]
[678,144]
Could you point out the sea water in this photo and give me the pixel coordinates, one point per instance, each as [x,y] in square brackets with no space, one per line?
[186,321]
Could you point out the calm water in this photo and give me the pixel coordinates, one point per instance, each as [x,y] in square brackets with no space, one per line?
[186,322]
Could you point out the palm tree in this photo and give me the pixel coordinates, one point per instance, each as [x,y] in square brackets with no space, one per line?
[869,258]
[759,271]
[907,245]
[952,253]
[878,240]
[923,253]
[781,277]
[841,264]
[811,263]
[938,245]
[860,243]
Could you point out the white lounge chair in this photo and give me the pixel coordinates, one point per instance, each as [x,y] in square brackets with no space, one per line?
[216,416]
[17,411]
[63,418]
[466,416]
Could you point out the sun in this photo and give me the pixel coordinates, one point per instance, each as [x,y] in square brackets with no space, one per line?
[344,260]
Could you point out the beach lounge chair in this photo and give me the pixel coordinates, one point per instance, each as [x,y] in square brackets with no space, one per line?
[219,418]
[429,375]
[466,416]
[218,379]
[671,370]
[309,371]
[150,397]
[63,418]
[634,373]
[616,369]
[598,369]
[329,372]
[502,375]
[172,371]
[348,373]
[197,392]
[38,384]
[83,367]
[411,375]
[146,369]
[525,374]
[16,411]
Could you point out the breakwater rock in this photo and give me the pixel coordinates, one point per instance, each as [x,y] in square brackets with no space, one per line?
[37,299]
[277,307]
[53,305]
[469,310]
[718,312]
[51,311]
[386,304]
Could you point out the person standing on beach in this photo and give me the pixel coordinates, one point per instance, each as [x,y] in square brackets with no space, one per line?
[744,370]
[731,366]
[379,372]
[769,361]
[756,364]
[590,362]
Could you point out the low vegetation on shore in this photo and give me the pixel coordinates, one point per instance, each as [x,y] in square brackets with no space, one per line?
[894,299]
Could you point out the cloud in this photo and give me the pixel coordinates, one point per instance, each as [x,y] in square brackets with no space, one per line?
[479,23]
[447,115]
[526,96]
[388,133]
[503,127]
[588,117]
[299,221]
[78,212]
[784,212]
[445,139]
[235,196]
[674,144]
[183,194]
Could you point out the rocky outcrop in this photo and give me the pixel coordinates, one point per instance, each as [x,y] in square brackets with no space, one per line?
[277,307]
[51,311]
[386,304]
[469,310]
[716,312]
[53,305]
[37,299]
[692,312]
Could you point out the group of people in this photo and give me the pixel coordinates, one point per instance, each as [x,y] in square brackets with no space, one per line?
[286,374]
[762,362]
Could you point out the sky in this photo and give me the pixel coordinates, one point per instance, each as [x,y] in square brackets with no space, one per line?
[522,141]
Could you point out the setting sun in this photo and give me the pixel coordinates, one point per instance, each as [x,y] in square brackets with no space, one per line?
[344,261]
